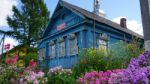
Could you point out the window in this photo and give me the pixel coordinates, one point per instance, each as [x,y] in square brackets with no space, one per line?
[61,47]
[73,49]
[41,54]
[52,50]
[102,41]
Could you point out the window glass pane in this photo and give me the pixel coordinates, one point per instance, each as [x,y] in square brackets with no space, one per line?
[62,49]
[53,51]
[76,46]
[71,46]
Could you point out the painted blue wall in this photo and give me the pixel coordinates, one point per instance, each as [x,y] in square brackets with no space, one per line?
[73,25]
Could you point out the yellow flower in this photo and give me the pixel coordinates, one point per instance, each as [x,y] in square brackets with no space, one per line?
[21,63]
[22,53]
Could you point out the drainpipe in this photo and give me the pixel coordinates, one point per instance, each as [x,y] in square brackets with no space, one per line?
[145,14]
[94,40]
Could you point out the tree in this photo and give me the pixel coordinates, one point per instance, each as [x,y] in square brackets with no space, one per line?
[28,22]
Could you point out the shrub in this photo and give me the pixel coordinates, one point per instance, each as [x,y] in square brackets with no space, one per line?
[116,57]
[7,73]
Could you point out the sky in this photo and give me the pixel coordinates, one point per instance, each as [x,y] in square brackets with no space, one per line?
[114,10]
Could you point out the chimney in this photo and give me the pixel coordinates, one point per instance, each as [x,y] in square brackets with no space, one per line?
[123,22]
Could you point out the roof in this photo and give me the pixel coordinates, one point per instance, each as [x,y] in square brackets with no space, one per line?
[91,15]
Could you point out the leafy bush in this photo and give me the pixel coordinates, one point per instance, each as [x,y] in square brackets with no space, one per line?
[117,57]
[7,73]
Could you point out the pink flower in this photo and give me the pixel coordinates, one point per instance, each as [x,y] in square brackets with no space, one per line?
[40,74]
[97,81]
[32,77]
[91,82]
[36,81]
[7,46]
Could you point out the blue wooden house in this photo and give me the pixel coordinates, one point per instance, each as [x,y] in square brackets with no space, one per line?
[72,28]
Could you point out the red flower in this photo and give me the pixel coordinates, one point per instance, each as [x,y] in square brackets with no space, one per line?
[12,60]
[32,63]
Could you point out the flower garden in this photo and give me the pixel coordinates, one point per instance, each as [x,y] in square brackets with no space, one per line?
[129,65]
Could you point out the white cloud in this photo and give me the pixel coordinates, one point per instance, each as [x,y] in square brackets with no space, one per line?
[131,24]
[5,10]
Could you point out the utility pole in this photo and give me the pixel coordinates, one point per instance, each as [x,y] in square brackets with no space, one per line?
[95,11]
[145,14]
[2,43]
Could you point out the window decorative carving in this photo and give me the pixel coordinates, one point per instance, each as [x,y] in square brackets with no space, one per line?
[52,43]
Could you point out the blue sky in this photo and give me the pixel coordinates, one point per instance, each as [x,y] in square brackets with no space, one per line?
[112,8]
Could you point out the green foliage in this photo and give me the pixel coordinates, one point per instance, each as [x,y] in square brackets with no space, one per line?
[61,79]
[28,21]
[117,57]
[89,60]
[8,72]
